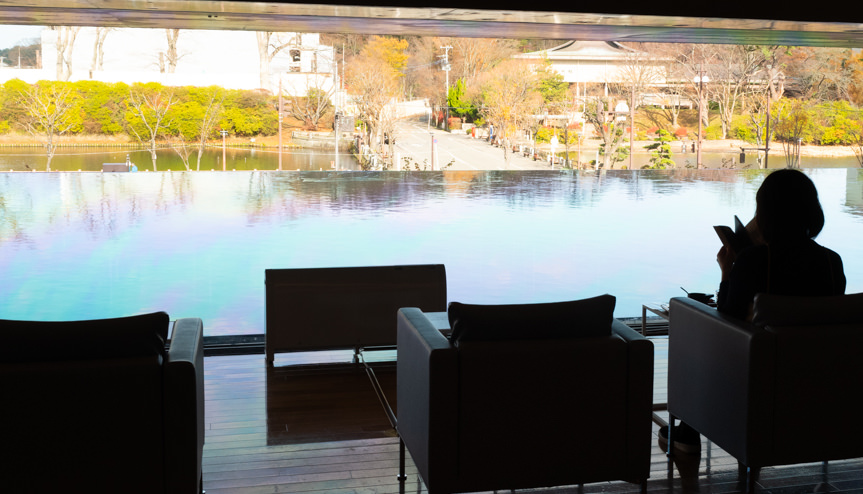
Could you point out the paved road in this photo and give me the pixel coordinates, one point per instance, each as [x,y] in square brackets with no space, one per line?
[414,140]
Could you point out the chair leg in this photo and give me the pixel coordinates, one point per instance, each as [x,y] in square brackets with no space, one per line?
[749,475]
[669,448]
[402,477]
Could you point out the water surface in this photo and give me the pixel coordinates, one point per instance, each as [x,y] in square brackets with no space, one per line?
[196,244]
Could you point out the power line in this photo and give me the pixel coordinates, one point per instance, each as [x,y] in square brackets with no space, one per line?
[414,67]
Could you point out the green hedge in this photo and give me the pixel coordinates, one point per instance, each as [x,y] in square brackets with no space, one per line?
[821,123]
[101,108]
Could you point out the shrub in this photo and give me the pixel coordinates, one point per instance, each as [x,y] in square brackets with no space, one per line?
[681,132]
[713,131]
[544,134]
[740,129]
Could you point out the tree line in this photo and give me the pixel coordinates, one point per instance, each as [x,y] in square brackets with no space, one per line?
[150,113]
[757,93]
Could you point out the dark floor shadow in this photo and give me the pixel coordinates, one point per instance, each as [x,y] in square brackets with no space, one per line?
[331,402]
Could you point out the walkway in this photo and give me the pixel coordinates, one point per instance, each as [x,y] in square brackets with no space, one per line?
[414,140]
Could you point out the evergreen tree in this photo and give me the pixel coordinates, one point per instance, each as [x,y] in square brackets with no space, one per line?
[660,152]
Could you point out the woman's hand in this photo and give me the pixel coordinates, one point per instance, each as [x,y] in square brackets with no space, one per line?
[725,258]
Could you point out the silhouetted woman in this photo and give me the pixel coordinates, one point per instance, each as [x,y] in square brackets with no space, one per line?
[789,262]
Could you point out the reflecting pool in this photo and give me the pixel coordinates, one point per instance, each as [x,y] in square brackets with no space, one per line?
[196,244]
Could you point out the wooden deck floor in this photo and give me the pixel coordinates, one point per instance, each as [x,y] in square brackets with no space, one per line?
[301,430]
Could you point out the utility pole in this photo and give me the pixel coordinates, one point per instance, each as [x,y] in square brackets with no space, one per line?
[433,143]
[336,109]
[224,162]
[700,79]
[446,69]
[767,121]
[281,114]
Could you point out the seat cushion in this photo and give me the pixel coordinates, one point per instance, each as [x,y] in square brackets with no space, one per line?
[578,318]
[44,341]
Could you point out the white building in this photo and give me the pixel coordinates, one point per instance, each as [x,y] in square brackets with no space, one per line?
[598,62]
[230,59]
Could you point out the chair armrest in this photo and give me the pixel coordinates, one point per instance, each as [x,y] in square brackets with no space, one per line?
[639,409]
[184,406]
[640,362]
[427,394]
[719,375]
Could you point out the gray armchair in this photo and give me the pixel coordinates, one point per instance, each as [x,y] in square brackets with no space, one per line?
[779,390]
[516,410]
[102,406]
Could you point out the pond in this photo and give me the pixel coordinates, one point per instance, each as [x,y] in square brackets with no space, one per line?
[19,158]
[196,244]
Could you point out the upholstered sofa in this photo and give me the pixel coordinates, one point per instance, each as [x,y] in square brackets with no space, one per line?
[537,397]
[782,389]
[102,406]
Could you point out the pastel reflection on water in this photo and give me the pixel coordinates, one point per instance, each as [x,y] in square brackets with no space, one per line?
[86,245]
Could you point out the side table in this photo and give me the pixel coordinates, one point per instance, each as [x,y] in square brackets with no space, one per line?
[660,310]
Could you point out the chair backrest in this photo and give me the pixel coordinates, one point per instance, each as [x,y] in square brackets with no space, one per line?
[817,364]
[507,388]
[351,307]
[83,404]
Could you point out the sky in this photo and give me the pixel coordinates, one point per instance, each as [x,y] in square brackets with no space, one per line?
[11,35]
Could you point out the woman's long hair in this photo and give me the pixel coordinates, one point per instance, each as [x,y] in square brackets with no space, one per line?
[788,208]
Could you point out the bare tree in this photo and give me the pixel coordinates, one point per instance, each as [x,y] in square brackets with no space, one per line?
[821,73]
[65,44]
[600,114]
[181,146]
[374,85]
[665,115]
[733,76]
[171,55]
[269,45]
[49,114]
[472,56]
[792,118]
[468,58]
[146,116]
[312,100]
[509,98]
[208,121]
[639,71]
[424,76]
[696,64]
[346,44]
[773,84]
[856,134]
[99,49]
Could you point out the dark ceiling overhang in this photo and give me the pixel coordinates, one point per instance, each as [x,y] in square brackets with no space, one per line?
[668,21]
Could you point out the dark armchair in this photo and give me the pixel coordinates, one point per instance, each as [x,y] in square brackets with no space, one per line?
[102,406]
[525,396]
[779,390]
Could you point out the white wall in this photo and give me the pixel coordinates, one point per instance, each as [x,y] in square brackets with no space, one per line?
[225,58]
